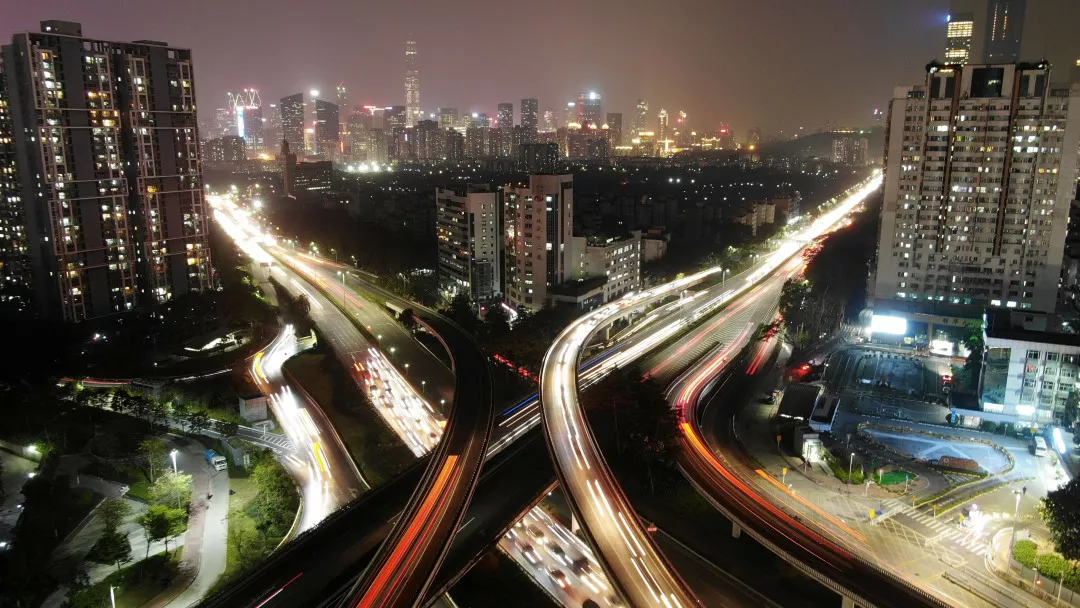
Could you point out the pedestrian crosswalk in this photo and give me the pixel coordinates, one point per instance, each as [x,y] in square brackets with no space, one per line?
[941,530]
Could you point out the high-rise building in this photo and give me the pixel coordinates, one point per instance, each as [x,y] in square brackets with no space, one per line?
[570,114]
[15,270]
[327,129]
[851,151]
[228,149]
[506,115]
[359,124]
[641,117]
[448,118]
[1008,31]
[981,166]
[539,225]
[753,138]
[395,117]
[412,85]
[663,132]
[588,108]
[293,111]
[530,109]
[109,167]
[539,158]
[468,224]
[617,259]
[551,120]
[615,134]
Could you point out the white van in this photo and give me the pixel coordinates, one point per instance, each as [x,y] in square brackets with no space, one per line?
[1038,445]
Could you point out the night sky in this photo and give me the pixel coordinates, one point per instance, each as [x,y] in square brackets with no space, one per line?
[777,64]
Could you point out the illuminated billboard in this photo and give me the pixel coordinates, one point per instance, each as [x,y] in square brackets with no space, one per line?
[884,324]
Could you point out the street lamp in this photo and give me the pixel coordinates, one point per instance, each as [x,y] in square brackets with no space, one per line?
[423,386]
[173,454]
[851,461]
[112,596]
[406,370]
[392,349]
[1016,521]
[342,274]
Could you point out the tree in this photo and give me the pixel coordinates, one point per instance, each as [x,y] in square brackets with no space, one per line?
[1061,511]
[973,341]
[154,454]
[180,411]
[227,428]
[497,321]
[113,511]
[407,318]
[276,492]
[161,523]
[1072,412]
[139,405]
[171,490]
[460,311]
[302,306]
[159,410]
[198,422]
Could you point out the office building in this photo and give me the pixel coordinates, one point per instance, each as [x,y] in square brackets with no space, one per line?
[539,158]
[293,111]
[288,169]
[641,117]
[395,118]
[469,228]
[109,167]
[981,166]
[570,114]
[327,130]
[530,114]
[539,223]
[588,108]
[412,85]
[312,178]
[663,133]
[615,133]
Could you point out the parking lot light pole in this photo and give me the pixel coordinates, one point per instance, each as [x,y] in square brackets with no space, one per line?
[1016,522]
[851,461]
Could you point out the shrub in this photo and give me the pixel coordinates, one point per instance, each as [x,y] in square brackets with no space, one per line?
[1024,551]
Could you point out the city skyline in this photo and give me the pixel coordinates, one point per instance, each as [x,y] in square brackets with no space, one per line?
[731,66]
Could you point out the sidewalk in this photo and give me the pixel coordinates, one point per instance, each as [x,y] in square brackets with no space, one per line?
[204,554]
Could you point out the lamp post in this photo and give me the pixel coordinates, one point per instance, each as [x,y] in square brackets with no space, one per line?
[173,454]
[343,274]
[112,596]
[406,370]
[423,387]
[1016,522]
[851,461]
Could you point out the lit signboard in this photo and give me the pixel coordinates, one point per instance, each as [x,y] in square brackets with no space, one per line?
[883,324]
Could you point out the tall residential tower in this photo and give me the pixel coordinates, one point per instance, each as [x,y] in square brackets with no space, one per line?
[110,180]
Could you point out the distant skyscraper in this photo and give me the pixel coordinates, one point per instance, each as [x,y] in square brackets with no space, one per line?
[615,133]
[115,217]
[506,115]
[570,115]
[342,100]
[448,118]
[395,117]
[551,120]
[530,114]
[327,129]
[974,223]
[588,108]
[641,117]
[292,122]
[539,225]
[538,159]
[663,131]
[412,85]
[1008,31]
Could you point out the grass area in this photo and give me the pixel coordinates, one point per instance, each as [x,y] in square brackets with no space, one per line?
[135,585]
[135,478]
[895,477]
[377,451]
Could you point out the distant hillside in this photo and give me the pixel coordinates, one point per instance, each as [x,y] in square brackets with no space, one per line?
[820,145]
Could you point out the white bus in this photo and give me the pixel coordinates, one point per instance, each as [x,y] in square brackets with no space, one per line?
[1038,445]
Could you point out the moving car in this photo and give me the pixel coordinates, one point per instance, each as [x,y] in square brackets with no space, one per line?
[529,552]
[537,534]
[559,577]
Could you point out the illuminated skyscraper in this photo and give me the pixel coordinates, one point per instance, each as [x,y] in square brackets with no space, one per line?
[530,114]
[641,117]
[663,132]
[111,180]
[506,115]
[1008,31]
[539,225]
[327,129]
[615,134]
[412,85]
[570,115]
[958,37]
[551,120]
[292,122]
[588,108]
[448,118]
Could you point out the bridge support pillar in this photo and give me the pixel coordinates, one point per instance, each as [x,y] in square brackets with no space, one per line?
[607,333]
[736,531]
[846,602]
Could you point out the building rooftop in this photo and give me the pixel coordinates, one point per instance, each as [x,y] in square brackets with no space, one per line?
[579,287]
[1005,324]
